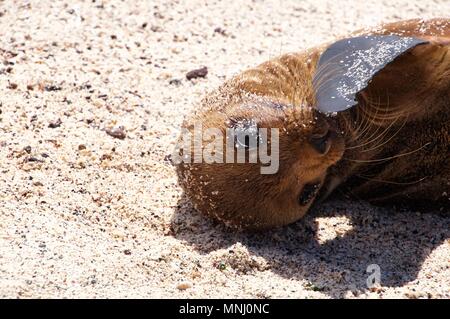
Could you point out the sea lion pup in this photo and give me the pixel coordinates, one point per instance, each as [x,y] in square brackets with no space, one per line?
[392,147]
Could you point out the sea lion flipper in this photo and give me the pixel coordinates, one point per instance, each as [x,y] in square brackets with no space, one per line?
[347,66]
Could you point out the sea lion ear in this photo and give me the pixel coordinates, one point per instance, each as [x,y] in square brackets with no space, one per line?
[347,66]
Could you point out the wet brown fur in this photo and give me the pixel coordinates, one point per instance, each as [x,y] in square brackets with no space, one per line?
[392,148]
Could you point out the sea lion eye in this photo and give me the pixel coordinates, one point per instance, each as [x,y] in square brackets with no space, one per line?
[320,142]
[308,192]
[246,134]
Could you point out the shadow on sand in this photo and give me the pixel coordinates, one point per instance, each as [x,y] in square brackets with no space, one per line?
[398,242]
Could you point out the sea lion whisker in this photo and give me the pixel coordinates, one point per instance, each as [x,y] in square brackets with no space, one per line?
[370,139]
[368,124]
[391,182]
[390,138]
[358,130]
[348,192]
[365,139]
[387,158]
[373,117]
[364,108]
[382,134]
[387,113]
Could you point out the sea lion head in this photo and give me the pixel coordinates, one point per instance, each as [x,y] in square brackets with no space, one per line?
[321,103]
[303,146]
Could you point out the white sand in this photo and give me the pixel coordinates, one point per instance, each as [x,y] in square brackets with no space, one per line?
[104,217]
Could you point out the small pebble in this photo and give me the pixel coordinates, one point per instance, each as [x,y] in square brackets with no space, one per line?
[222,266]
[50,88]
[55,124]
[184,286]
[117,132]
[197,73]
[220,31]
[155,28]
[12,86]
[33,159]
[176,82]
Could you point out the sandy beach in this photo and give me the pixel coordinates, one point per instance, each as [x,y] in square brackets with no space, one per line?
[93,95]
